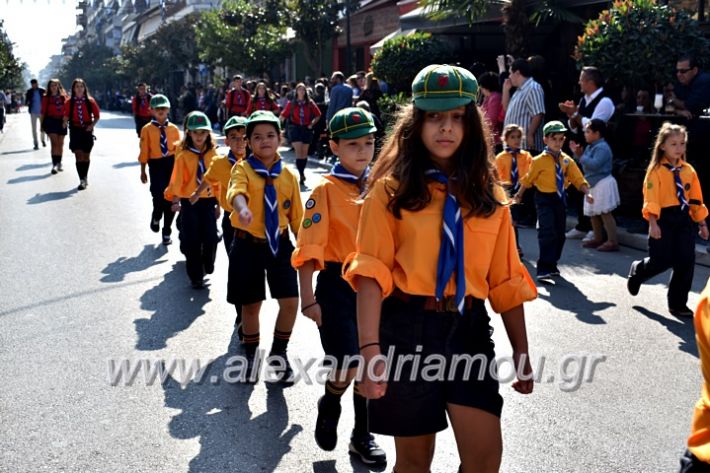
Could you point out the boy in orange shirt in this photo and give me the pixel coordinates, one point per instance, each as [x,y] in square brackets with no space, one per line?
[327,237]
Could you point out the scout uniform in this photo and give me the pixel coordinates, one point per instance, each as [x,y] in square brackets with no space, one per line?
[157,150]
[512,165]
[238,102]
[264,246]
[219,173]
[53,121]
[697,457]
[197,224]
[141,105]
[550,175]
[673,195]
[262,103]
[435,268]
[80,113]
[327,237]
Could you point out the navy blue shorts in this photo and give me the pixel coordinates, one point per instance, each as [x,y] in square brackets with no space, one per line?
[249,259]
[300,134]
[80,140]
[689,463]
[52,125]
[338,330]
[415,404]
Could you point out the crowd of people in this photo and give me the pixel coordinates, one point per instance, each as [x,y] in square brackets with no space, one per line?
[464,166]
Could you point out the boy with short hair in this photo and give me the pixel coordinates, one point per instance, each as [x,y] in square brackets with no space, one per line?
[141,107]
[550,173]
[157,150]
[266,200]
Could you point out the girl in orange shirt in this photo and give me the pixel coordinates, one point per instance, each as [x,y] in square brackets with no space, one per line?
[435,239]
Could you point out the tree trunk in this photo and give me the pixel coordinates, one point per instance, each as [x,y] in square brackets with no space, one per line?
[516,28]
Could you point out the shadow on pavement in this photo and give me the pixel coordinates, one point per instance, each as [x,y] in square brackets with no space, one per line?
[329,466]
[564,295]
[175,306]
[19,151]
[681,328]
[128,164]
[149,256]
[217,412]
[36,177]
[29,167]
[117,123]
[51,196]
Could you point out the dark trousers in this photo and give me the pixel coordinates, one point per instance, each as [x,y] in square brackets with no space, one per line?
[227,232]
[198,236]
[140,123]
[674,250]
[551,232]
[689,463]
[575,199]
[160,171]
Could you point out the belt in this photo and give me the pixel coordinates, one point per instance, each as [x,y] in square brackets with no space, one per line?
[447,304]
[243,235]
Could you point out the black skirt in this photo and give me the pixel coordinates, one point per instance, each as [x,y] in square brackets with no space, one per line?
[54,125]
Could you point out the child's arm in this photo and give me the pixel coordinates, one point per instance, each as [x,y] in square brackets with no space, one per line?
[196,195]
[514,322]
[144,176]
[309,305]
[369,305]
[654,231]
[518,197]
[242,208]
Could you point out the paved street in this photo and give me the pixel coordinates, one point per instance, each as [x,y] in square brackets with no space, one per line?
[85,281]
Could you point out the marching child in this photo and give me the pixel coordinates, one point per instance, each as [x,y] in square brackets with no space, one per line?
[158,141]
[550,173]
[81,114]
[512,165]
[596,161]
[197,222]
[141,107]
[51,118]
[238,99]
[435,239]
[327,237]
[266,200]
[673,205]
[263,100]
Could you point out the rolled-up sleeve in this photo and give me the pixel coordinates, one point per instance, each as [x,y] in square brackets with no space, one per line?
[312,239]
[238,184]
[509,283]
[651,195]
[375,245]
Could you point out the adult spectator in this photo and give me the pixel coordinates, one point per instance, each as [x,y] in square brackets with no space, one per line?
[140,106]
[593,105]
[526,107]
[341,95]
[33,100]
[372,93]
[492,105]
[4,102]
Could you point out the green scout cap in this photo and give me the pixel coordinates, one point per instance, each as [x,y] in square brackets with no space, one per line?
[351,122]
[263,116]
[159,101]
[235,122]
[553,127]
[198,121]
[437,88]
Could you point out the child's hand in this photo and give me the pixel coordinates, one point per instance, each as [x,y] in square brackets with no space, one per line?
[144,177]
[175,207]
[654,231]
[575,147]
[217,212]
[590,198]
[194,198]
[245,216]
[314,313]
[704,234]
[377,387]
[524,384]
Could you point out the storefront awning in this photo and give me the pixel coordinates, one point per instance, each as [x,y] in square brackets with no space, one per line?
[149,27]
[378,45]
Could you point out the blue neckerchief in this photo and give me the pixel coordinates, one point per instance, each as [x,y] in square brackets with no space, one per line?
[679,191]
[163,136]
[201,168]
[232,159]
[271,203]
[452,248]
[340,172]
[80,109]
[559,175]
[514,178]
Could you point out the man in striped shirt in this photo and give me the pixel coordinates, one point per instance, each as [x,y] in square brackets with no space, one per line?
[526,107]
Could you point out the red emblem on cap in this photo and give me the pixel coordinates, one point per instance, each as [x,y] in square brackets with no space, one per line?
[356,118]
[443,80]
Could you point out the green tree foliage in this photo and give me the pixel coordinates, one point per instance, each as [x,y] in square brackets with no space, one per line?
[402,57]
[93,64]
[637,42]
[470,9]
[315,23]
[244,36]
[10,66]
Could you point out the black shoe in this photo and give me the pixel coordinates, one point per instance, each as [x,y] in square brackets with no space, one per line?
[44,144]
[365,447]
[283,375]
[633,284]
[681,312]
[327,424]
[154,225]
[82,185]
[238,326]
[555,271]
[198,283]
[209,268]
[36,147]
[55,169]
[167,240]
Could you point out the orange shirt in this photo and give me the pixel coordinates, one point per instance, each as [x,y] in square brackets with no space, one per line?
[245,181]
[329,224]
[659,191]
[699,439]
[150,141]
[218,174]
[543,176]
[504,162]
[183,182]
[404,252]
